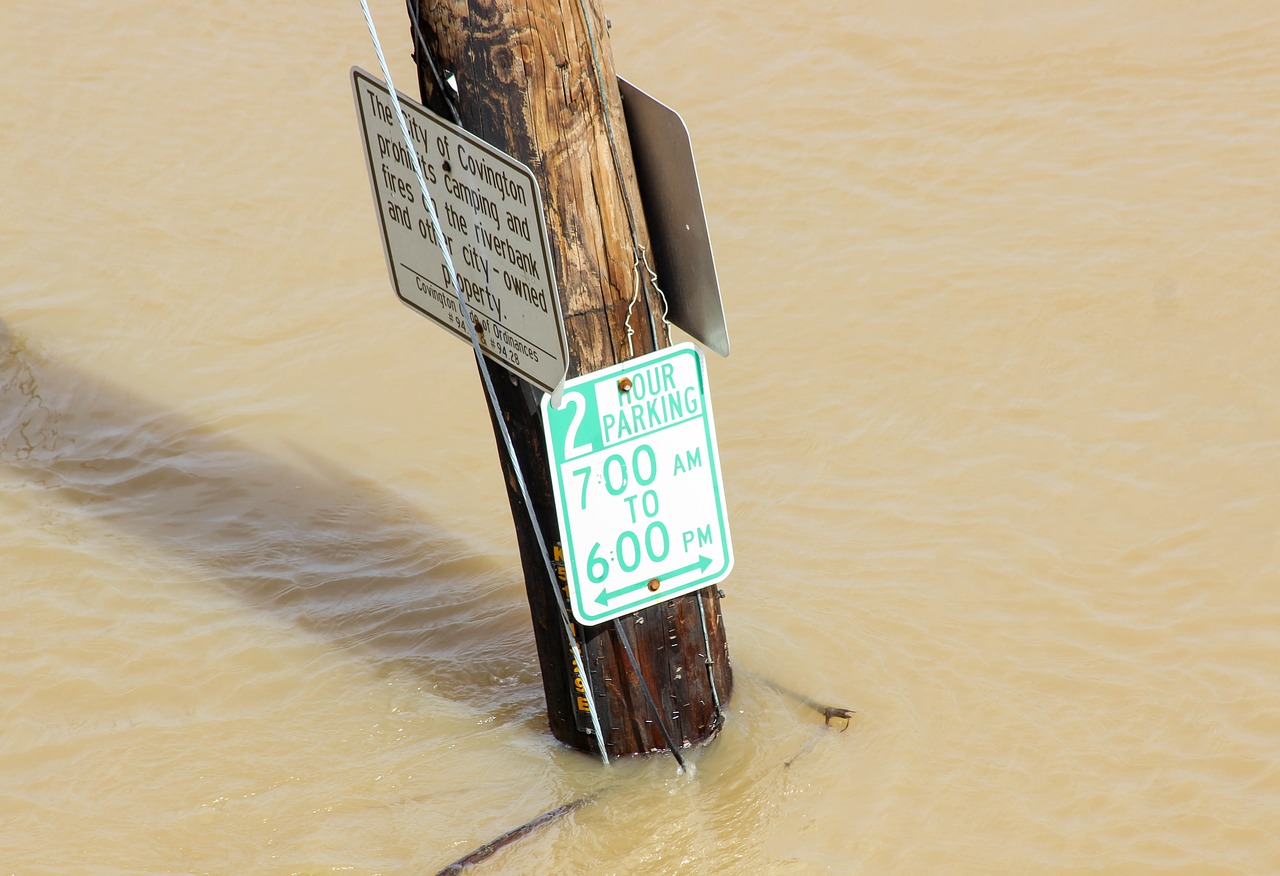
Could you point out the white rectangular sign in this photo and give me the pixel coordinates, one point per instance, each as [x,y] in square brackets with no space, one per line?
[636,475]
[491,215]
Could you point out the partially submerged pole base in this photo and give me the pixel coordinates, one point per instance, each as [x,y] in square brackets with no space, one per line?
[536,80]
[680,645]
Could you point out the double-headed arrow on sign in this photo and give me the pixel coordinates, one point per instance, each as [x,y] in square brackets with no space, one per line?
[606,595]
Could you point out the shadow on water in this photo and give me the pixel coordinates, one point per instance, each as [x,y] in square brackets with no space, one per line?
[336,554]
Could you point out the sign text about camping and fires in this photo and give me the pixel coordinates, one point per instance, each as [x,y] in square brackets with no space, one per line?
[492,222]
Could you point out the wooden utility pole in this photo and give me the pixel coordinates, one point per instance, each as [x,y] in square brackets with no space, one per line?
[527,77]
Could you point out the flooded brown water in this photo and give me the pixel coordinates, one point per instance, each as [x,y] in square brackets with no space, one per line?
[1001,435]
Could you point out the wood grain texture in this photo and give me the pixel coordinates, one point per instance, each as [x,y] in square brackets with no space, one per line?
[527,83]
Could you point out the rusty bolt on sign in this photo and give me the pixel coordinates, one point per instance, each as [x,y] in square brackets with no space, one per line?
[624,385]
[654,584]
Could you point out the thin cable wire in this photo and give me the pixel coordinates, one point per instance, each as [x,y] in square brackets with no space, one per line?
[653,281]
[711,675]
[635,296]
[488,385]
[431,62]
[637,249]
[639,254]
[644,686]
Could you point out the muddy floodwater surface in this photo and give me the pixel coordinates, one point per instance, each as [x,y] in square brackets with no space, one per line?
[1000,438]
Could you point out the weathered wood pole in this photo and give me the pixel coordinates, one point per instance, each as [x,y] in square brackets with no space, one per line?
[527,81]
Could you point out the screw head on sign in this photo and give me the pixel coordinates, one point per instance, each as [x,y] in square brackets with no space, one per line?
[654,584]
[624,385]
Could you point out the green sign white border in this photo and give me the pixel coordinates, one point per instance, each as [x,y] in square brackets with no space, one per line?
[714,573]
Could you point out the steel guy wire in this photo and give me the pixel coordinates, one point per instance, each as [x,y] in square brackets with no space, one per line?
[488,383]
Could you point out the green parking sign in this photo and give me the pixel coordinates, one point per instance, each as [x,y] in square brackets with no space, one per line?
[636,475]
